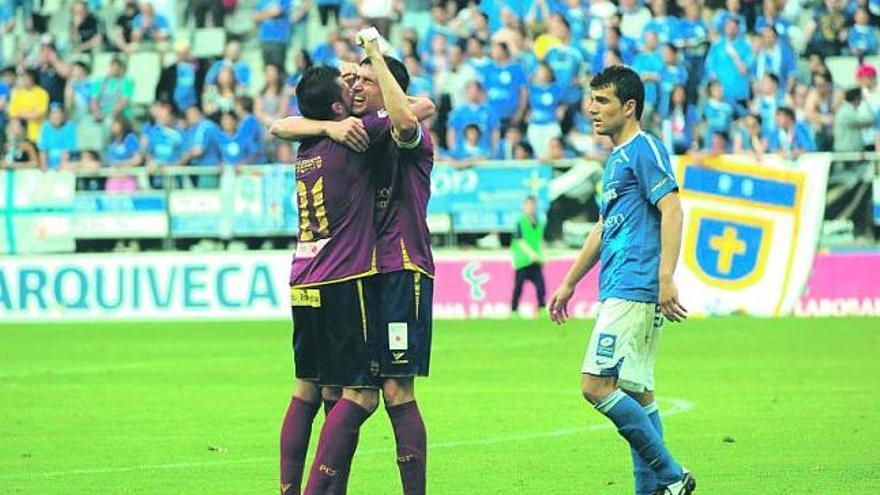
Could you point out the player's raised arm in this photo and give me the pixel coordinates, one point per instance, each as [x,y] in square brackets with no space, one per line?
[404,121]
[586,260]
[349,132]
[670,245]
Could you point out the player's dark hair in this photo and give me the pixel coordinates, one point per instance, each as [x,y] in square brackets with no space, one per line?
[626,83]
[398,70]
[317,91]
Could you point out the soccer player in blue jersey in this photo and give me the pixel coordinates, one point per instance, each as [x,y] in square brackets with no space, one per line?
[637,238]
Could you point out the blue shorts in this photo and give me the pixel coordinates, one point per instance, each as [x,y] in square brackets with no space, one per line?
[403,343]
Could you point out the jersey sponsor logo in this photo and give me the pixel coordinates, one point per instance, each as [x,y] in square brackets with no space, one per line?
[728,250]
[305,298]
[397,337]
[308,165]
[308,250]
[607,343]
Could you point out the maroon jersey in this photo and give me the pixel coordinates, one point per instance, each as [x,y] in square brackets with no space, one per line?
[404,242]
[335,193]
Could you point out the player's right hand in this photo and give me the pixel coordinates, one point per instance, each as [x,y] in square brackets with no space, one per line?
[559,304]
[351,133]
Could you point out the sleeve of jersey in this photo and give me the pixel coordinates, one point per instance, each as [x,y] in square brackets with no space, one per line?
[408,144]
[654,171]
[377,126]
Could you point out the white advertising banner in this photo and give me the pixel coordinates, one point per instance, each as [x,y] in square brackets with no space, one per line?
[149,286]
[750,232]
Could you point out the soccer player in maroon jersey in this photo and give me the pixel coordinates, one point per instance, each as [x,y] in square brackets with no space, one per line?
[332,291]
[405,262]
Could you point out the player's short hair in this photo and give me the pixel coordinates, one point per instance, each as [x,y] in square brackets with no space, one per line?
[317,91]
[398,70]
[626,83]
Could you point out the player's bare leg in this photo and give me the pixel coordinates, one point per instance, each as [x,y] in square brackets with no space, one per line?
[409,433]
[634,424]
[330,396]
[295,433]
[339,437]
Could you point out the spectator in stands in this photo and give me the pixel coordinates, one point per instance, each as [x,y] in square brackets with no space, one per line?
[7,80]
[774,57]
[557,150]
[471,149]
[164,146]
[249,128]
[221,97]
[232,60]
[474,112]
[233,150]
[111,94]
[377,13]
[545,98]
[270,104]
[679,122]
[85,33]
[506,86]
[273,18]
[123,153]
[612,39]
[506,148]
[201,145]
[454,82]
[523,151]
[634,17]
[566,60]
[19,151]
[649,64]
[419,84]
[672,74]
[7,25]
[185,70]
[327,7]
[57,140]
[771,19]
[78,93]
[729,61]
[733,11]
[29,102]
[691,38]
[51,69]
[661,23]
[767,102]
[299,22]
[203,9]
[476,56]
[121,39]
[748,136]
[866,77]
[819,110]
[850,121]
[150,27]
[862,38]
[827,33]
[717,114]
[792,138]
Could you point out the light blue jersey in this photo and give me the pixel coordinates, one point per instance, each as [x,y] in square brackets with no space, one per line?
[637,175]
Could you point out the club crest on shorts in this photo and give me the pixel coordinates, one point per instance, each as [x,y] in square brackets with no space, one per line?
[727,250]
[607,343]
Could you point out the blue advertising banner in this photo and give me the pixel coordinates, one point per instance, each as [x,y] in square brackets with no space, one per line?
[99,215]
[265,202]
[35,210]
[488,198]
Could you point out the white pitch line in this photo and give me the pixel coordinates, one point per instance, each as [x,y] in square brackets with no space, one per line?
[674,407]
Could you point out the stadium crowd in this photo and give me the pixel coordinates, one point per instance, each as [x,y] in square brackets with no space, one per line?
[508,77]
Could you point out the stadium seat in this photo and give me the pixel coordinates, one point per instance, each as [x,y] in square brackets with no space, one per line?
[208,42]
[101,63]
[843,70]
[90,136]
[875,61]
[147,67]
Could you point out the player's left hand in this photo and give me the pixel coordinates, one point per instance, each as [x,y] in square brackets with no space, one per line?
[669,303]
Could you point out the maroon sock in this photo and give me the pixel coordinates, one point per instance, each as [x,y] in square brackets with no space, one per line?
[412,452]
[328,406]
[295,433]
[336,448]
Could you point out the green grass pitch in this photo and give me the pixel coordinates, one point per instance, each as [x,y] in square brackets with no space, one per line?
[752,406]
